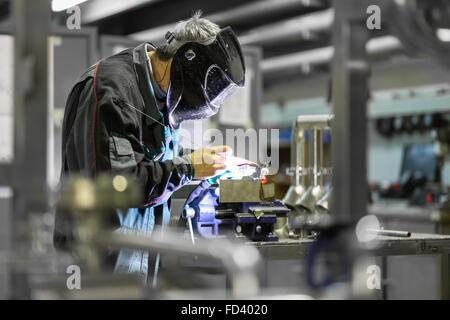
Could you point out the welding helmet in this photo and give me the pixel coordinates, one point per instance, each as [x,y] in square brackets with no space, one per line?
[202,76]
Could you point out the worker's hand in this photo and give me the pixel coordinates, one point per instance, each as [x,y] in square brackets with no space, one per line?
[233,161]
[209,162]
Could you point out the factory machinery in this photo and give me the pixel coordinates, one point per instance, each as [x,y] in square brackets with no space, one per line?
[243,207]
[247,207]
[310,203]
[235,222]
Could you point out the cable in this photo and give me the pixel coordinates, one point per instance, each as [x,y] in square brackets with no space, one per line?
[150,117]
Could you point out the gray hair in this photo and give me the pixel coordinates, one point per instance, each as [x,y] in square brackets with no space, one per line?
[194,29]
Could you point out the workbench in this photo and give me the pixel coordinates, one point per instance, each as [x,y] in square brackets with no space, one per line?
[418,243]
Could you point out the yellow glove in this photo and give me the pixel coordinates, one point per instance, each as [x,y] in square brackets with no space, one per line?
[210,161]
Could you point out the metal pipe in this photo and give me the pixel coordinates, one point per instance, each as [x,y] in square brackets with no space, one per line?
[240,261]
[302,26]
[324,55]
[350,87]
[244,12]
[316,124]
[315,190]
[298,165]
[316,155]
[301,125]
[390,233]
[319,121]
[298,152]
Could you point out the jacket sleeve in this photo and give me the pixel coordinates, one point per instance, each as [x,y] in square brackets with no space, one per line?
[111,142]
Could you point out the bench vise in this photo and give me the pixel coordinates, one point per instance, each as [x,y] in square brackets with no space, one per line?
[235,207]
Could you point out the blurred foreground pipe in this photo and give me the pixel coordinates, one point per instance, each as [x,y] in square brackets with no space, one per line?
[245,12]
[324,55]
[31,126]
[240,261]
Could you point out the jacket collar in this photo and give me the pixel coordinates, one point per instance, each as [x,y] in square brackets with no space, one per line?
[140,59]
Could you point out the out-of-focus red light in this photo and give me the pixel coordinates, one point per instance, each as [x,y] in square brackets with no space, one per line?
[264,181]
[429,198]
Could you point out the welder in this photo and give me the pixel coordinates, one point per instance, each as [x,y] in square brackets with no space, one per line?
[123,114]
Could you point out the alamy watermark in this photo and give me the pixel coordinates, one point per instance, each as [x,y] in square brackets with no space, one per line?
[373,22]
[73,281]
[260,146]
[374,279]
[73,22]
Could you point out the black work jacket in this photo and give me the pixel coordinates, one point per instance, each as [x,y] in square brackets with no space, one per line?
[105,130]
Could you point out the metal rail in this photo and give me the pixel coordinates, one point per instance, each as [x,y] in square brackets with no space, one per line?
[417,244]
[241,262]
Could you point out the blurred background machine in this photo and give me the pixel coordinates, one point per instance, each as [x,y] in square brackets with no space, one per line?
[363,124]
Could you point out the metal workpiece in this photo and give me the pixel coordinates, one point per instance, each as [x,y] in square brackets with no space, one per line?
[303,199]
[324,204]
[241,262]
[245,190]
[244,208]
[315,191]
[299,196]
[302,223]
[293,194]
[315,121]
[310,198]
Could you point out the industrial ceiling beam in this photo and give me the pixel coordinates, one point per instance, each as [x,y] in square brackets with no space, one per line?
[95,10]
[298,27]
[306,59]
[256,9]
